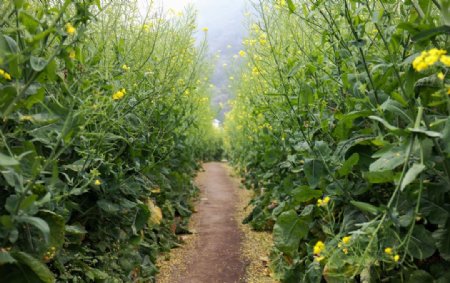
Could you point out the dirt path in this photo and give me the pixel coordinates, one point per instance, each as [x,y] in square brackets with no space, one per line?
[213,256]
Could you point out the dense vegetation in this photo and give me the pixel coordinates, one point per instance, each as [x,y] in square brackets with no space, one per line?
[341,126]
[104,117]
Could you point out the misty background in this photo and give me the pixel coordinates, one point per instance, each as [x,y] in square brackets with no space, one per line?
[225,20]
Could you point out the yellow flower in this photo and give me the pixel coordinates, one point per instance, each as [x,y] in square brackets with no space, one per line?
[345,250]
[346,239]
[146,27]
[5,75]
[72,54]
[119,94]
[255,71]
[319,258]
[388,250]
[445,59]
[26,118]
[70,29]
[318,247]
[441,76]
[242,53]
[396,258]
[324,201]
[98,182]
[205,29]
[429,58]
[125,67]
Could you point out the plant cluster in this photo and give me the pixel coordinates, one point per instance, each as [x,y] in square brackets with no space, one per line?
[104,117]
[341,126]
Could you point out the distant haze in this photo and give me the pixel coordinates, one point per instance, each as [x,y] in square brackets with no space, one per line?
[226,30]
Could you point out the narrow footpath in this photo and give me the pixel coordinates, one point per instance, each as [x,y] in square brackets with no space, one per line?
[213,253]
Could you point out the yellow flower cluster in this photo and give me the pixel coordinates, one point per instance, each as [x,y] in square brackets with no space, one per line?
[323,202]
[429,58]
[389,251]
[70,29]
[125,67]
[319,247]
[5,75]
[345,241]
[242,53]
[119,94]
[50,254]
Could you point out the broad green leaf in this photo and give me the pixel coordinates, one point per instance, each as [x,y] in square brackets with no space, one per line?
[412,174]
[367,207]
[427,34]
[39,269]
[304,194]
[75,229]
[6,160]
[379,177]
[420,276]
[387,125]
[5,257]
[37,222]
[108,206]
[288,231]
[442,237]
[57,227]
[422,245]
[37,63]
[291,6]
[389,159]
[314,171]
[348,165]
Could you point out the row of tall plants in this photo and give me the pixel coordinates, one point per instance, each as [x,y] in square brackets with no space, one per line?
[341,126]
[104,116]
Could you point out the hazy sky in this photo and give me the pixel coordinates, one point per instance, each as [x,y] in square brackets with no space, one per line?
[225,21]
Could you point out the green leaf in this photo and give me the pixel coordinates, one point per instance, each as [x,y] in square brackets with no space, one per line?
[314,171]
[422,244]
[5,257]
[420,276]
[57,227]
[379,177]
[387,125]
[348,165]
[37,63]
[442,237]
[37,222]
[6,160]
[291,6]
[36,266]
[427,34]
[288,231]
[389,159]
[366,207]
[108,206]
[412,174]
[304,194]
[75,229]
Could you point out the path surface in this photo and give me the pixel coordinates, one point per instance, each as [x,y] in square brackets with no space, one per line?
[214,257]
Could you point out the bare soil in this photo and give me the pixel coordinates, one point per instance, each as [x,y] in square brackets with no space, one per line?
[213,253]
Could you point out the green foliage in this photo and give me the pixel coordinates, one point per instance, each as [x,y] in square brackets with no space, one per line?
[104,119]
[341,126]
